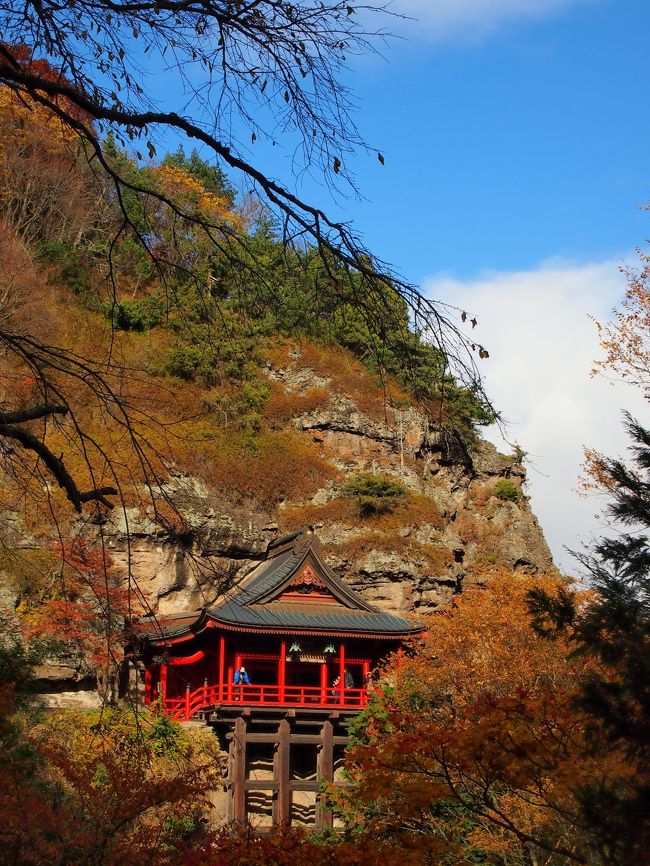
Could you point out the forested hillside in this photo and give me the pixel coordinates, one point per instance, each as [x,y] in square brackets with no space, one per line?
[189,321]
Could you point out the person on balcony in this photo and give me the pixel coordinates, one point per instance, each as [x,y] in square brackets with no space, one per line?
[241,677]
[348,681]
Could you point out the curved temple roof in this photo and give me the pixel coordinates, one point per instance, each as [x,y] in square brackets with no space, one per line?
[292,590]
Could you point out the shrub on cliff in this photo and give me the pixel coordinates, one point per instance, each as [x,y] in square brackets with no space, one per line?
[506,490]
[375,494]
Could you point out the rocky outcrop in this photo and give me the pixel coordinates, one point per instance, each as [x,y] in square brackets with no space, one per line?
[417,566]
[184,573]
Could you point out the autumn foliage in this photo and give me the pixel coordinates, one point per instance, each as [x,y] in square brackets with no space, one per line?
[237,846]
[474,744]
[85,612]
[625,341]
[102,788]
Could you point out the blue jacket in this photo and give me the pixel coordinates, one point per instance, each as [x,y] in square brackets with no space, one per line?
[241,679]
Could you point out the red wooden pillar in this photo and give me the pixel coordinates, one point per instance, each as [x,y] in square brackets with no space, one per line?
[163,683]
[365,672]
[147,687]
[399,658]
[222,662]
[342,673]
[323,683]
[187,702]
[230,685]
[282,671]
[239,694]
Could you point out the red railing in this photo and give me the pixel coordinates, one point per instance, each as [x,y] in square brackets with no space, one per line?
[192,702]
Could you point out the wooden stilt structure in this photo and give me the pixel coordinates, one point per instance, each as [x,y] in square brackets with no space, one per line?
[285,740]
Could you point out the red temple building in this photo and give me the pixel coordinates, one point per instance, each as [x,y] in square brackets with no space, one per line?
[308,644]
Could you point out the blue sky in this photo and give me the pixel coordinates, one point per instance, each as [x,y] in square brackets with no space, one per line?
[513,131]
[516,135]
[507,147]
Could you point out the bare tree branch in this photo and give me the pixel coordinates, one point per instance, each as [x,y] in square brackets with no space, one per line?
[36,412]
[56,467]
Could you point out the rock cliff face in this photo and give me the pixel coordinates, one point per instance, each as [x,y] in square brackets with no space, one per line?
[464,510]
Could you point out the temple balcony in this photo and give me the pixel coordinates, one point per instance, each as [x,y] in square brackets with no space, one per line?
[206,697]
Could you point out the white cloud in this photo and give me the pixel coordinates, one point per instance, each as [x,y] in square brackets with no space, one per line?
[542,346]
[471,19]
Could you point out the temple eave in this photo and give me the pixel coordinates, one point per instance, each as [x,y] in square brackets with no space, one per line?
[280,629]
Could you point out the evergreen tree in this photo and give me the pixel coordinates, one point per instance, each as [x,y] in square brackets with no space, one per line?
[210,176]
[615,629]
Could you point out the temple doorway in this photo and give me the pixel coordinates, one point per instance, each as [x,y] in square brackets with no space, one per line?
[303,675]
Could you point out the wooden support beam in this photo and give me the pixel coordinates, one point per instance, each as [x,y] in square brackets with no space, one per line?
[283,769]
[294,785]
[317,739]
[229,786]
[275,802]
[239,771]
[304,785]
[309,723]
[303,739]
[325,773]
[262,785]
[319,714]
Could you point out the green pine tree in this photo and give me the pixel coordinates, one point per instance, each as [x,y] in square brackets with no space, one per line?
[615,629]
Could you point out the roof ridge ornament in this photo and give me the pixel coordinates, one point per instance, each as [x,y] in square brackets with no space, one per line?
[307,539]
[293,541]
[306,582]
